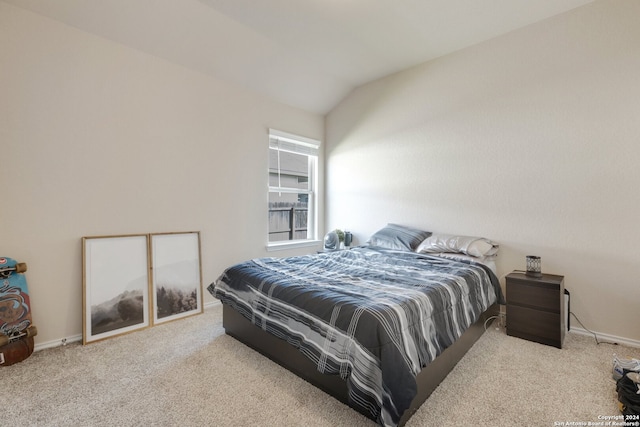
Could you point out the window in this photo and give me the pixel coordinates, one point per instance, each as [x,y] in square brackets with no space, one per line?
[293,162]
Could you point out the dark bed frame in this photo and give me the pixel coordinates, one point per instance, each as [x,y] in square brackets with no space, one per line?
[290,358]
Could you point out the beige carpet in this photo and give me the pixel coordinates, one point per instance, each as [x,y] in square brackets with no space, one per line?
[188,373]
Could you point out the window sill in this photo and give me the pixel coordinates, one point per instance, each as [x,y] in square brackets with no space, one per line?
[291,244]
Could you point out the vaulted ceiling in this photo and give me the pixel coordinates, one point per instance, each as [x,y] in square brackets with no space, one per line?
[306,53]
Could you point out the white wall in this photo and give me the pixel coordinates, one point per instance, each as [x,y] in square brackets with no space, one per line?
[100,139]
[530,139]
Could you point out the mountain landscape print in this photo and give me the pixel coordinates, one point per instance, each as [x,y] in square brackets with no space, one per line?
[172,301]
[115,286]
[176,275]
[126,309]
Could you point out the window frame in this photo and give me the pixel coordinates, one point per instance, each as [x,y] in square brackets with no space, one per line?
[287,142]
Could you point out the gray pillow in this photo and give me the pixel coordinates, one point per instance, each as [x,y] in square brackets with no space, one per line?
[394,236]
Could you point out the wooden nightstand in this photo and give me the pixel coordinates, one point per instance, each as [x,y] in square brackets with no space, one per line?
[535,308]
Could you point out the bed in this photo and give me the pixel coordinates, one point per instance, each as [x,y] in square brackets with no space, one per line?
[377,327]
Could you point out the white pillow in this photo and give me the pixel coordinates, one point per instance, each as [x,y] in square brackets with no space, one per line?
[456,256]
[478,247]
[489,261]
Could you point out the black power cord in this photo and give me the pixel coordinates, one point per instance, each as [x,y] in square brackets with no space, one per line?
[591,332]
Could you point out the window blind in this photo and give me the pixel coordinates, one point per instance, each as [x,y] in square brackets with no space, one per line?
[287,142]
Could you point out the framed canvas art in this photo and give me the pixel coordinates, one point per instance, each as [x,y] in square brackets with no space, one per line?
[115,286]
[176,284]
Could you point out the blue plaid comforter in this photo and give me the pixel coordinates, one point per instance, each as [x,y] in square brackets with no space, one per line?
[374,316]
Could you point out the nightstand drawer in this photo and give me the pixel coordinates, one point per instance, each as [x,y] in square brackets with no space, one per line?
[522,293]
[534,325]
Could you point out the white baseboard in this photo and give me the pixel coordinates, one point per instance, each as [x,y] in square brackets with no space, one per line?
[57,343]
[606,337]
[210,304]
[213,303]
[77,338]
